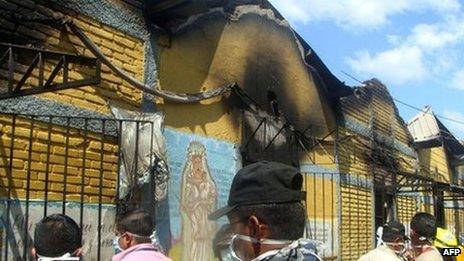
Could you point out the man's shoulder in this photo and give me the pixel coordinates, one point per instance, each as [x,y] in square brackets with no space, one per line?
[432,255]
[141,252]
[146,255]
[377,253]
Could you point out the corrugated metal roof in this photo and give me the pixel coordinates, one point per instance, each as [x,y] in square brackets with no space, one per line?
[427,127]
[424,126]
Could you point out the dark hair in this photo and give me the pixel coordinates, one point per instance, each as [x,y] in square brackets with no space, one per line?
[285,220]
[424,225]
[138,222]
[56,235]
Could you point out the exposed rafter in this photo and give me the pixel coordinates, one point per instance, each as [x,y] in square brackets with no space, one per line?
[12,57]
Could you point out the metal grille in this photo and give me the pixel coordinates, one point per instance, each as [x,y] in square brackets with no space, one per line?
[357,232]
[56,164]
[322,207]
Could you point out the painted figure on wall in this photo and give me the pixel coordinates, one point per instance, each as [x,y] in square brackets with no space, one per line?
[198,199]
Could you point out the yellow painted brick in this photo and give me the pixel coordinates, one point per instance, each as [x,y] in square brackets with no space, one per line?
[76,142]
[91,190]
[95,199]
[113,46]
[36,185]
[54,196]
[100,32]
[16,163]
[95,98]
[15,173]
[72,188]
[109,184]
[111,78]
[22,194]
[15,183]
[134,54]
[78,180]
[76,162]
[60,169]
[131,68]
[109,192]
[53,186]
[70,152]
[124,41]
[95,182]
[53,159]
[110,176]
[25,155]
[17,143]
[39,166]
[92,173]
[77,198]
[51,177]
[108,52]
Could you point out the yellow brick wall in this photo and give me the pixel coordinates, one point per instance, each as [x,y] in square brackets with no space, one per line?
[356,222]
[434,163]
[406,208]
[454,220]
[321,195]
[376,102]
[124,50]
[323,156]
[30,160]
[353,154]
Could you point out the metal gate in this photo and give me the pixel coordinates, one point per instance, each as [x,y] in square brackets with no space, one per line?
[60,164]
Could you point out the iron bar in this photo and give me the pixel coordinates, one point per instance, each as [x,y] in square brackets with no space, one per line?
[65,171]
[28,188]
[64,59]
[84,156]
[47,165]
[10,185]
[11,67]
[102,149]
[275,137]
[27,74]
[254,133]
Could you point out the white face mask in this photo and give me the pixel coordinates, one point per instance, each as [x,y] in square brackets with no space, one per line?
[235,257]
[116,247]
[66,256]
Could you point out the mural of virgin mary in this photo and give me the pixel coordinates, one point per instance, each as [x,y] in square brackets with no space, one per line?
[198,199]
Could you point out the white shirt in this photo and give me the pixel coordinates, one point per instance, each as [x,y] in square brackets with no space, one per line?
[382,252]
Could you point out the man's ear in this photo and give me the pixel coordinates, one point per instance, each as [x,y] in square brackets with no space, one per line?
[258,229]
[34,253]
[254,225]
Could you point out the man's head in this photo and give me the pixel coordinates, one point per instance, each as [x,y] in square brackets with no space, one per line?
[423,229]
[265,203]
[57,235]
[135,228]
[394,235]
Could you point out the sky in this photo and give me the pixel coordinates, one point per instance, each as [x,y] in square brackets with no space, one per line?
[415,47]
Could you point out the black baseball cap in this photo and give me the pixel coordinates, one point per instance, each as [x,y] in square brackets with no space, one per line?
[394,229]
[263,182]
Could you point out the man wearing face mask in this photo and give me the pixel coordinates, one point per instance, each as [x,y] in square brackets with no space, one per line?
[266,214]
[392,244]
[423,231]
[133,239]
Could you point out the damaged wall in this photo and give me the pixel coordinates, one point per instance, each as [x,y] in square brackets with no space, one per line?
[250,47]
